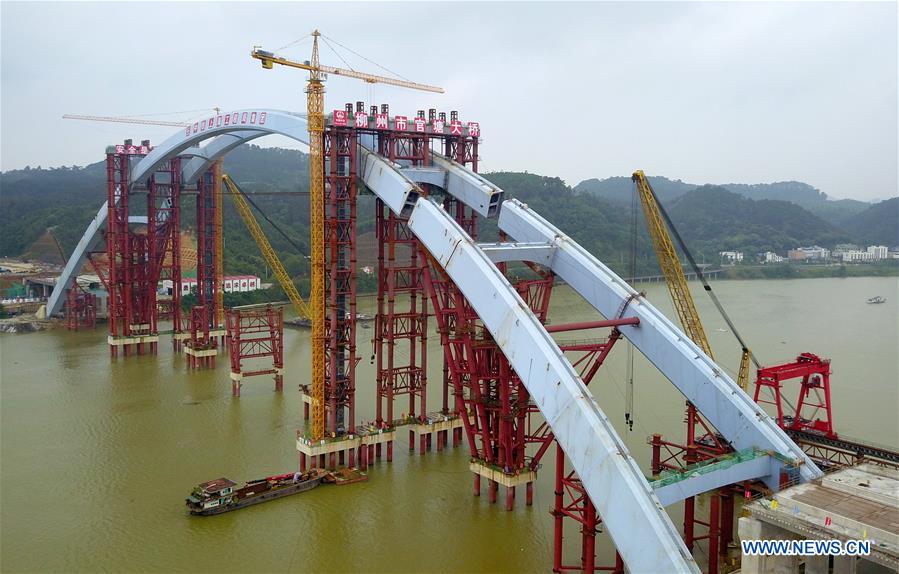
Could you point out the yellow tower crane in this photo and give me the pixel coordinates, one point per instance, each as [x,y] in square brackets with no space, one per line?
[315,105]
[243,208]
[658,223]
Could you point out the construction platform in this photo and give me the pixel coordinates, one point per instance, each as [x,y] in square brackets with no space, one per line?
[366,440]
[856,503]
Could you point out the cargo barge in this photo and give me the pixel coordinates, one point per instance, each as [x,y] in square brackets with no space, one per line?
[220,495]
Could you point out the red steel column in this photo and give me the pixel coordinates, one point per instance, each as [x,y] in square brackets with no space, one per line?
[117,249]
[203,314]
[401,321]
[714,502]
[340,285]
[558,516]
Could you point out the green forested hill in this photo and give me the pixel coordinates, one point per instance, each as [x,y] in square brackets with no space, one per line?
[711,218]
[836,212]
[879,224]
[66,199]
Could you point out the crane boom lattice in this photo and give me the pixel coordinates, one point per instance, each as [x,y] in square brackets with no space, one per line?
[675,279]
[265,247]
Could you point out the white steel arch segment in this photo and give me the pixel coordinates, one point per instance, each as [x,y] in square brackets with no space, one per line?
[229,130]
[244,124]
[209,153]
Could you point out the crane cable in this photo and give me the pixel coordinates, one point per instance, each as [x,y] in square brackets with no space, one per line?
[705,284]
[366,59]
[629,414]
[266,217]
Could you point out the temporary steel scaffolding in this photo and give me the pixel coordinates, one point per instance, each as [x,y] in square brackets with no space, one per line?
[118,249]
[462,150]
[134,257]
[202,347]
[571,501]
[81,308]
[340,286]
[165,193]
[401,322]
[255,333]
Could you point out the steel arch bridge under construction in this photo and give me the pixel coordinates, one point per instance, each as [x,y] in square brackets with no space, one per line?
[626,501]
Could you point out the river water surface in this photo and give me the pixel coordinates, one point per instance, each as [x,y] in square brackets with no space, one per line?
[97,456]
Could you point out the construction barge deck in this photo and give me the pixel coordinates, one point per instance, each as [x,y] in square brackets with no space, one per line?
[220,495]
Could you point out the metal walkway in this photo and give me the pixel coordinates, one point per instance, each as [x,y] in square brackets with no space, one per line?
[624,498]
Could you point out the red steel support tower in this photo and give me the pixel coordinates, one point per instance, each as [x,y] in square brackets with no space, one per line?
[340,286]
[132,264]
[202,347]
[462,150]
[401,322]
[118,249]
[81,308]
[255,334]
[165,186]
[135,258]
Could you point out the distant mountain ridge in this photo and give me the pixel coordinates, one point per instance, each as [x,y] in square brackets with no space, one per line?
[877,225]
[711,218]
[834,211]
[714,218]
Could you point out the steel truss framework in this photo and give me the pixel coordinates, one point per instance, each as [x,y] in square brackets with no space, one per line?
[205,332]
[165,189]
[340,285]
[255,334]
[135,260]
[81,308]
[401,322]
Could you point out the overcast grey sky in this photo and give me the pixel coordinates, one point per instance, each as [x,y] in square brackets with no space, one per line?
[704,92]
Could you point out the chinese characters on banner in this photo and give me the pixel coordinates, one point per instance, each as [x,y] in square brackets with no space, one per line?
[340,117]
[228,119]
[132,149]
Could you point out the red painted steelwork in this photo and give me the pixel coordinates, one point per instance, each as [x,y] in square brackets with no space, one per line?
[255,334]
[571,501]
[806,416]
[203,344]
[166,190]
[118,250]
[340,148]
[136,257]
[400,338]
[81,308]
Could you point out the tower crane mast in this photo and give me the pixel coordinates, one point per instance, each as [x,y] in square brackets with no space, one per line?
[315,104]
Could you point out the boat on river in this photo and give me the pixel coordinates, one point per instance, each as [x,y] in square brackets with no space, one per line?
[224,495]
[876,300]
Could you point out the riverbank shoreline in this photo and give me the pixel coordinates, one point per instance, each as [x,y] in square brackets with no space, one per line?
[793,271]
